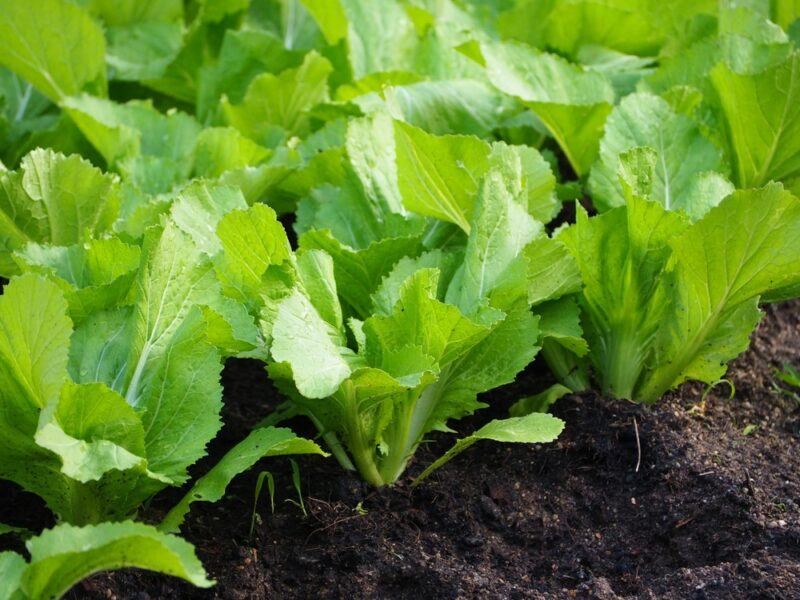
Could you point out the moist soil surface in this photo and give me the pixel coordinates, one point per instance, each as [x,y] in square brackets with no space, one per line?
[713,510]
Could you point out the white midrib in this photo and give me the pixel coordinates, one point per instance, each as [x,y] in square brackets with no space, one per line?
[485,259]
[23,104]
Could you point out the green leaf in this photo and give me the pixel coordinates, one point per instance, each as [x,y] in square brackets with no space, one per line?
[252,240]
[388,293]
[12,569]
[276,106]
[539,403]
[232,329]
[153,150]
[571,102]
[626,26]
[27,120]
[352,217]
[34,363]
[535,428]
[623,70]
[419,319]
[528,177]
[221,149]
[144,50]
[200,206]
[296,484]
[379,37]
[743,248]
[172,370]
[257,494]
[260,443]
[682,159]
[750,42]
[330,17]
[358,273]
[93,430]
[762,112]
[129,12]
[244,54]
[73,197]
[560,323]
[99,348]
[454,106]
[438,175]
[749,429]
[501,230]
[94,276]
[174,278]
[370,148]
[496,360]
[315,271]
[61,557]
[552,272]
[788,375]
[785,12]
[312,346]
[56,199]
[212,11]
[55,45]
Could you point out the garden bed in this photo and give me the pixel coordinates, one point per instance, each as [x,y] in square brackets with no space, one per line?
[711,512]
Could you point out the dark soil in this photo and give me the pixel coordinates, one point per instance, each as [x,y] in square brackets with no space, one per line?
[713,510]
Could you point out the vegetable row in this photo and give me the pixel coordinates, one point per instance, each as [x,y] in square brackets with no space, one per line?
[470,187]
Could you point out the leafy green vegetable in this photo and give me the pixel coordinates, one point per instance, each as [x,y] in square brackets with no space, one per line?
[669,300]
[145,382]
[572,102]
[439,176]
[54,199]
[34,42]
[424,152]
[120,393]
[767,147]
[428,330]
[110,358]
[61,557]
[687,165]
[274,106]
[151,150]
[94,276]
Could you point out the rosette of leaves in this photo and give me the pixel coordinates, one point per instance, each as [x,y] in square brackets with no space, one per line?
[112,351]
[110,359]
[379,366]
[671,292]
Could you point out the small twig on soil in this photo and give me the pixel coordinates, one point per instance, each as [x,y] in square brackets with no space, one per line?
[685,521]
[638,446]
[750,483]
